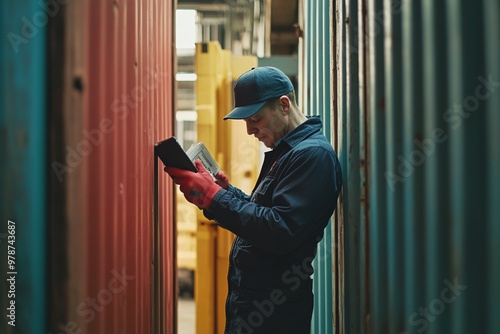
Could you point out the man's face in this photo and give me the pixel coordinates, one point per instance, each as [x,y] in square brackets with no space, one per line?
[268,125]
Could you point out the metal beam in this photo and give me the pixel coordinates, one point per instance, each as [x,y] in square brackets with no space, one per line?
[203,7]
[288,64]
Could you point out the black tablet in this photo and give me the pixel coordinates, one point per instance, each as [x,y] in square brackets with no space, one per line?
[171,154]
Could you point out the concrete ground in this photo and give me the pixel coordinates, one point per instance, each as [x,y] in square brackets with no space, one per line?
[186,317]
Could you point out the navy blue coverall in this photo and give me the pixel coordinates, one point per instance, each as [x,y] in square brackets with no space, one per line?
[278,228]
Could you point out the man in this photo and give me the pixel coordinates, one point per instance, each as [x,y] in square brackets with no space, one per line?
[279,225]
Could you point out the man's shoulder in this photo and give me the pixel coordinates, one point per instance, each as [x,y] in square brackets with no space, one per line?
[315,142]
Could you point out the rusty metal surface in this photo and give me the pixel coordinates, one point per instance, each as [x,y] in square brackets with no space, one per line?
[419,95]
[129,71]
[118,101]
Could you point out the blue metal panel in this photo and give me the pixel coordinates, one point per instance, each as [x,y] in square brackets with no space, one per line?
[378,189]
[491,13]
[393,144]
[436,211]
[432,86]
[23,159]
[352,155]
[317,101]
[413,190]
[467,152]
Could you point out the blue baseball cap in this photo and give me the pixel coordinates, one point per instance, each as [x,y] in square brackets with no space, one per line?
[254,87]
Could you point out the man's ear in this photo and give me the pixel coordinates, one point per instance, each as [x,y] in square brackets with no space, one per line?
[285,104]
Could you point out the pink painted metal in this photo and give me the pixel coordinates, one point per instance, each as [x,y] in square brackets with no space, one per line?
[128,233]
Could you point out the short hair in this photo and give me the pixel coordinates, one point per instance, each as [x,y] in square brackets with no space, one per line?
[274,103]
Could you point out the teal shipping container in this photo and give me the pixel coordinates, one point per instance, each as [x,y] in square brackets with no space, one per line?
[315,98]
[23,152]
[413,91]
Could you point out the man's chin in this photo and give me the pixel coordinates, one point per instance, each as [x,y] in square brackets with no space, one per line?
[268,144]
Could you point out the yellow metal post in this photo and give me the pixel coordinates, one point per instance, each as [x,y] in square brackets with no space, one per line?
[207,64]
[224,237]
[238,155]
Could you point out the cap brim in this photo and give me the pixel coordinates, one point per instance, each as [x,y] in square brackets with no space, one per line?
[245,111]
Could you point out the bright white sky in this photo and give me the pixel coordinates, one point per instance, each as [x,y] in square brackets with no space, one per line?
[185,28]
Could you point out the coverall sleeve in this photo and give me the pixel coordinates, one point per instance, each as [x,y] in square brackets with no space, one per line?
[238,193]
[302,203]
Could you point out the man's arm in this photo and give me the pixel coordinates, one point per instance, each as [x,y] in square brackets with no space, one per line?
[238,193]
[302,204]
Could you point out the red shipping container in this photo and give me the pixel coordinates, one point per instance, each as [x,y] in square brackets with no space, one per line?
[116,203]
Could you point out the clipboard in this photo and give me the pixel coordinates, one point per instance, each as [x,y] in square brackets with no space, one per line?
[171,154]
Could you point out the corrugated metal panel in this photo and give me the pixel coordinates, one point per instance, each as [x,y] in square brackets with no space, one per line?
[23,164]
[117,102]
[423,90]
[315,100]
[352,106]
[378,190]
[491,10]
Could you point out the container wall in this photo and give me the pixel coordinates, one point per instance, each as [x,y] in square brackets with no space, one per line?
[23,160]
[315,99]
[351,108]
[419,94]
[117,60]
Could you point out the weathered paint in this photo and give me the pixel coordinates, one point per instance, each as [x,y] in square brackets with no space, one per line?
[420,139]
[117,101]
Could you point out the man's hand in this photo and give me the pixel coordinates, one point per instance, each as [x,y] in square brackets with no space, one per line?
[198,188]
[222,180]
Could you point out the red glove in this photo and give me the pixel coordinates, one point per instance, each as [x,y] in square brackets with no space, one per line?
[198,188]
[222,180]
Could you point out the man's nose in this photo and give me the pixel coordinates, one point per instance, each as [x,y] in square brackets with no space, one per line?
[250,128]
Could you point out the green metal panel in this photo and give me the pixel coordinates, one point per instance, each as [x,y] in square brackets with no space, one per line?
[425,96]
[436,221]
[393,144]
[351,170]
[23,162]
[317,101]
[378,189]
[468,154]
[491,23]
